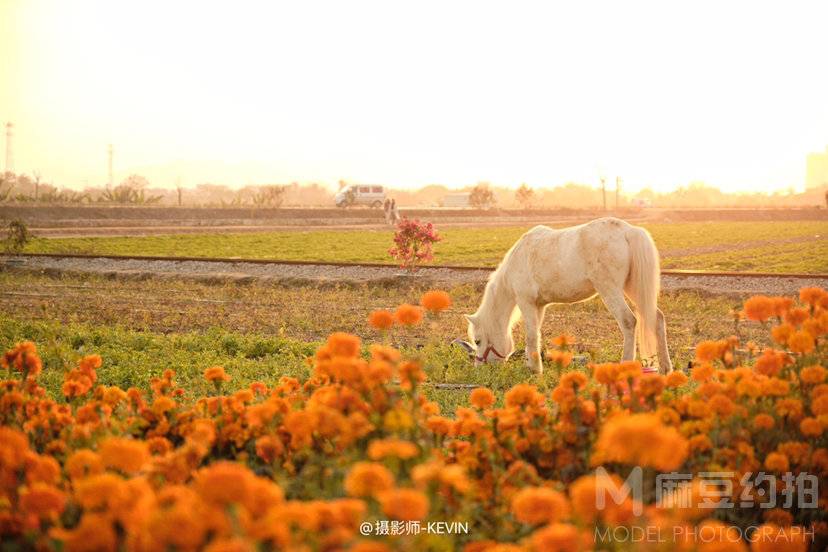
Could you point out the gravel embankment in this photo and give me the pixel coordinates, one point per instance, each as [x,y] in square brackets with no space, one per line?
[246,272]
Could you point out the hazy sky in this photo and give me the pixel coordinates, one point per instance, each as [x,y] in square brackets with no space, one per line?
[662,93]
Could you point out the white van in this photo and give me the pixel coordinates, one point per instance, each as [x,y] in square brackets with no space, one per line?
[360,194]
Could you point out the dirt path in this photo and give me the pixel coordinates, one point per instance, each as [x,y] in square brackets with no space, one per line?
[241,272]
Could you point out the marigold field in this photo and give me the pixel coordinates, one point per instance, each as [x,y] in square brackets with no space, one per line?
[301,465]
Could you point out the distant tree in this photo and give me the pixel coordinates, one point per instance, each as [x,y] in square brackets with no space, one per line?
[7,182]
[131,190]
[482,197]
[269,196]
[525,196]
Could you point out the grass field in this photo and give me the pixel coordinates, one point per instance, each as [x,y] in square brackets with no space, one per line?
[767,246]
[260,332]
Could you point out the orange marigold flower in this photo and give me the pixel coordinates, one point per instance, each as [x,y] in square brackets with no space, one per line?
[779,517]
[675,378]
[299,424]
[383,353]
[435,301]
[702,372]
[23,358]
[574,380]
[708,351]
[772,538]
[795,317]
[629,369]
[782,333]
[558,537]
[523,394]
[368,479]
[536,505]
[42,469]
[583,493]
[796,451]
[641,439]
[700,443]
[563,340]
[99,491]
[605,373]
[83,463]
[408,315]
[397,448]
[411,374]
[482,398]
[90,363]
[819,405]
[562,358]
[269,448]
[94,532]
[404,504]
[42,500]
[721,405]
[810,427]
[216,374]
[763,421]
[801,342]
[159,446]
[770,362]
[381,319]
[126,455]
[781,305]
[439,425]
[812,295]
[778,462]
[162,405]
[343,344]
[813,375]
[224,482]
[759,308]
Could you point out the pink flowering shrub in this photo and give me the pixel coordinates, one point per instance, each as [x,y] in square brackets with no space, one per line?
[413,241]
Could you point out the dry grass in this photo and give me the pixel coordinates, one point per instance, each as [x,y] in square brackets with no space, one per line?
[264,331]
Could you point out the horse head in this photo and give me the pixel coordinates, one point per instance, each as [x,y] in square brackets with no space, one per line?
[485,346]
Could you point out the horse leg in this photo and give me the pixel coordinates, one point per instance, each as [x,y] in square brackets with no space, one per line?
[665,365]
[532,318]
[615,303]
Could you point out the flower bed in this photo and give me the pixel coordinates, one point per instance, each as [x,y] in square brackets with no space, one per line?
[356,458]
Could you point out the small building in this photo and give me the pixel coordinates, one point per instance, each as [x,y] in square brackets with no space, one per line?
[457,201]
[816,170]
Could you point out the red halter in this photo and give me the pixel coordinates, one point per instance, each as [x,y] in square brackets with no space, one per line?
[485,357]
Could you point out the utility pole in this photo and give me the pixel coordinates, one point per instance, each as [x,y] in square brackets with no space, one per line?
[617,190]
[604,191]
[109,179]
[36,175]
[9,150]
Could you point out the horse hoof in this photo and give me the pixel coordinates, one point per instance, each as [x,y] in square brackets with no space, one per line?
[535,369]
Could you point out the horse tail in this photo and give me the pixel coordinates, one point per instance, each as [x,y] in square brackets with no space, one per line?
[644,286]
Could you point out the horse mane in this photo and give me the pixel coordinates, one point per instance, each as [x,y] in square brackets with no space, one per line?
[490,293]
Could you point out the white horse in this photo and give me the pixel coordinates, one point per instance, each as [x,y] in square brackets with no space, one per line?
[607,257]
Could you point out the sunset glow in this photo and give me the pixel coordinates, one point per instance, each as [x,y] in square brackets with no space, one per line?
[734,94]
